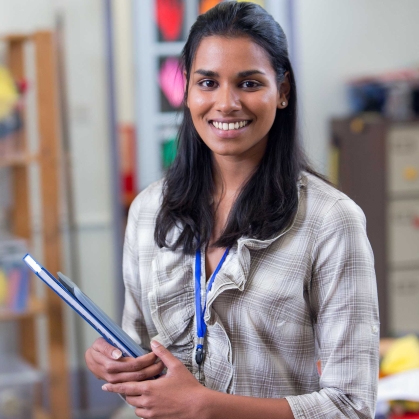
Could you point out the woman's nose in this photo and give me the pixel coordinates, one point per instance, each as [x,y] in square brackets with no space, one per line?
[228,100]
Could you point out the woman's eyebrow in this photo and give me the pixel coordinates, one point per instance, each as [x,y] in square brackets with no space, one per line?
[247,73]
[206,73]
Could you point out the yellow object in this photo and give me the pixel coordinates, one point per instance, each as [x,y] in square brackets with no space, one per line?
[259,2]
[357,125]
[334,165]
[8,93]
[3,288]
[410,173]
[207,4]
[403,355]
[404,406]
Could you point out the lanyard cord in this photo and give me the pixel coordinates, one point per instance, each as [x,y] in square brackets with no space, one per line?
[199,312]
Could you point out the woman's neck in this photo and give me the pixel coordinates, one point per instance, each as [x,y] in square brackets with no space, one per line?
[230,175]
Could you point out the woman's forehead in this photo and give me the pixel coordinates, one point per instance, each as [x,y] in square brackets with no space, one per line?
[217,53]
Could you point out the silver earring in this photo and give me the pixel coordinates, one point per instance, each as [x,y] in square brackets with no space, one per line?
[283,103]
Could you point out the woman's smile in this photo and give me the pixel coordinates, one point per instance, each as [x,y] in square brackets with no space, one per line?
[226,125]
[225,128]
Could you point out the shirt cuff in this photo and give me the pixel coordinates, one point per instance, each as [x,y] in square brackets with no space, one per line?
[295,407]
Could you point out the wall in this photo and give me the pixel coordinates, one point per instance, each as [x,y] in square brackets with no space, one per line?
[89,144]
[23,15]
[124,59]
[336,40]
[94,266]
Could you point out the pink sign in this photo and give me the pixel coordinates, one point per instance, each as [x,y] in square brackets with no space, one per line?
[171,81]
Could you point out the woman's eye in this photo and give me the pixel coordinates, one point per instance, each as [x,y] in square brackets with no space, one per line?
[207,83]
[250,84]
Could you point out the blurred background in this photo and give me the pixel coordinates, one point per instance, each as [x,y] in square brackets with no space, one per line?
[89,101]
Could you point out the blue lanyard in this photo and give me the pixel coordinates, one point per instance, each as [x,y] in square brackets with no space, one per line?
[199,312]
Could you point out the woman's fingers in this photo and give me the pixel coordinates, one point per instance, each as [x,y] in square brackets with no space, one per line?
[135,364]
[101,360]
[95,368]
[130,364]
[170,396]
[105,348]
[126,364]
[130,389]
[144,374]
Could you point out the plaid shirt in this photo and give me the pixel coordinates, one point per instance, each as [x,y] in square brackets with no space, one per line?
[278,308]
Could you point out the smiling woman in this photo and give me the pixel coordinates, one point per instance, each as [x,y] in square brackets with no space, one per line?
[236,71]
[246,273]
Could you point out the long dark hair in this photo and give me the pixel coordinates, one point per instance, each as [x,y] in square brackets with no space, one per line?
[268,201]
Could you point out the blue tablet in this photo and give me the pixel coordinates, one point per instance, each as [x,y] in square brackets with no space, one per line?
[87,309]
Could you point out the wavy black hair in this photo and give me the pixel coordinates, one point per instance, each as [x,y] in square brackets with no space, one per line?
[268,201]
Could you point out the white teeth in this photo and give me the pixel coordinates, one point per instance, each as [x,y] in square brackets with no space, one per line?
[229,126]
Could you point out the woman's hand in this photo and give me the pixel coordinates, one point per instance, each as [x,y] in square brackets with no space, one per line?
[175,395]
[106,363]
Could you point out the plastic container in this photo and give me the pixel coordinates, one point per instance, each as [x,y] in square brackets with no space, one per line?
[14,274]
[17,388]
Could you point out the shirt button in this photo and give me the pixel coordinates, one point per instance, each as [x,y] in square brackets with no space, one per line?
[374,329]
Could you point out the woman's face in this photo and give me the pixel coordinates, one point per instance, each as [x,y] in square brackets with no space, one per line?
[233,96]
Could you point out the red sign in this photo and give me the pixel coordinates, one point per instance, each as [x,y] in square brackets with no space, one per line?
[169,18]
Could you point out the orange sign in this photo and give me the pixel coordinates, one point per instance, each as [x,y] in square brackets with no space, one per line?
[207,4]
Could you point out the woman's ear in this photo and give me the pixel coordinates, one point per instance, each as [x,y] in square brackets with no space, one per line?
[284,91]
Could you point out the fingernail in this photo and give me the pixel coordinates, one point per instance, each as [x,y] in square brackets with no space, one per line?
[104,388]
[155,344]
[116,354]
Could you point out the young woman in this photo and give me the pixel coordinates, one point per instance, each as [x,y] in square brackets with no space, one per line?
[249,277]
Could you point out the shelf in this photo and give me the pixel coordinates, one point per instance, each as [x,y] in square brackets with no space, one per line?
[19,157]
[15,38]
[35,307]
[18,160]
